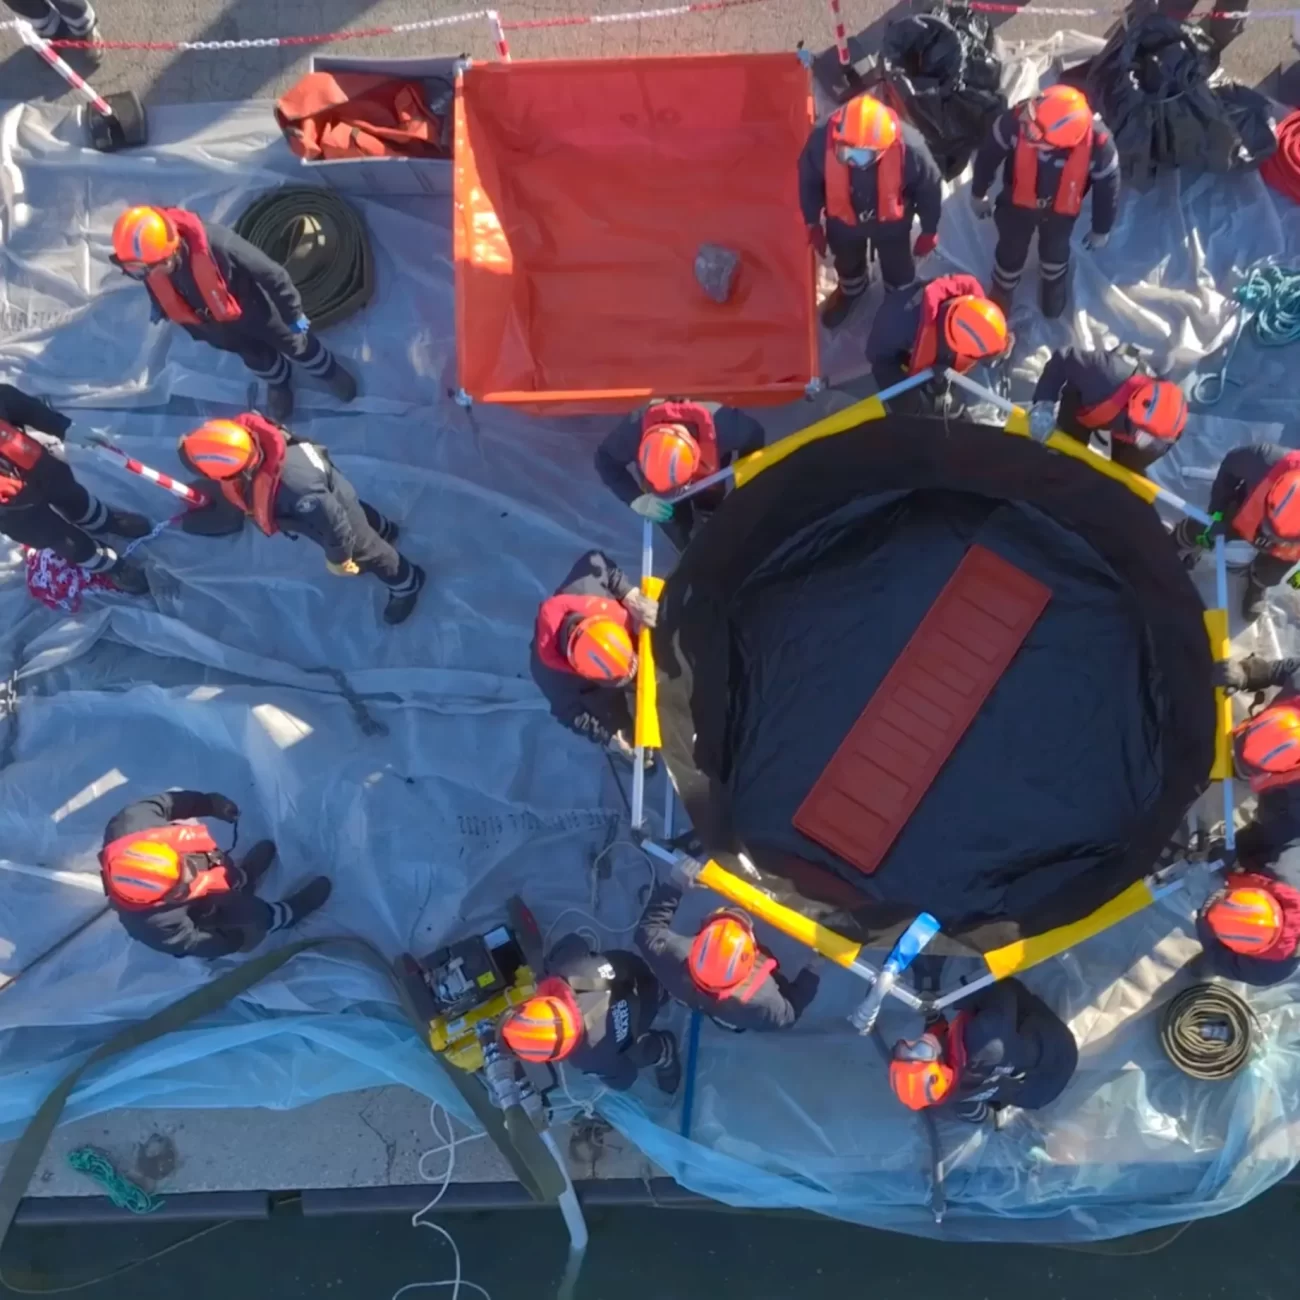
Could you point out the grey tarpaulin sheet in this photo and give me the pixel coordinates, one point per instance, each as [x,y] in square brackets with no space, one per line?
[475,792]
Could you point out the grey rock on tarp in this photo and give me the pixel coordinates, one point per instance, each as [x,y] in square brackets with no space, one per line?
[715,269]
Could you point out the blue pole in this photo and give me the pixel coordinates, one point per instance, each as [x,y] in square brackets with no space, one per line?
[688,1088]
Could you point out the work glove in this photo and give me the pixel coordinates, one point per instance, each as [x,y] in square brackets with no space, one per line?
[925,245]
[1094,240]
[620,747]
[1249,674]
[653,508]
[223,809]
[817,238]
[685,871]
[981,205]
[1042,420]
[301,326]
[347,569]
[1218,851]
[642,608]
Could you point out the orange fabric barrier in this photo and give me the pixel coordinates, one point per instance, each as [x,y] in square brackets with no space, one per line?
[583,191]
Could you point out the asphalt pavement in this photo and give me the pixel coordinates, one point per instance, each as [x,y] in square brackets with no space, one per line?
[1259,57]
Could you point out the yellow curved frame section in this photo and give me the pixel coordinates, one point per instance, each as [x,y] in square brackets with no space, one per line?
[647,687]
[1216,627]
[751,466]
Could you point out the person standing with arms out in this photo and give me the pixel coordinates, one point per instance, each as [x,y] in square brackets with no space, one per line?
[286,485]
[43,506]
[177,892]
[224,292]
[868,175]
[1052,149]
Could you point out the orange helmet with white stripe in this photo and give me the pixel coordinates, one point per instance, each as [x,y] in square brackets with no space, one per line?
[144,236]
[219,449]
[668,457]
[1247,921]
[601,650]
[918,1073]
[544,1028]
[141,873]
[1158,408]
[723,954]
[864,123]
[1267,746]
[975,327]
[1060,117]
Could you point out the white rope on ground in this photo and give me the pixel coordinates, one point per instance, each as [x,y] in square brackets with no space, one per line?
[447,1144]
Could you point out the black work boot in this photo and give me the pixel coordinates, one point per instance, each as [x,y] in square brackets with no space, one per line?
[126,523]
[279,401]
[82,60]
[310,898]
[400,608]
[340,382]
[128,578]
[1053,295]
[257,861]
[1001,297]
[1255,600]
[836,308]
[668,1068]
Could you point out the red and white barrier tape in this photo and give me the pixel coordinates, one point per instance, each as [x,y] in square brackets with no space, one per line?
[499,36]
[841,36]
[29,37]
[165,481]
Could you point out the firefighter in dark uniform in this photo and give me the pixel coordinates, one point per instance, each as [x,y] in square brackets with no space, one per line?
[1250,928]
[1255,498]
[175,890]
[595,1011]
[672,445]
[1082,393]
[870,175]
[722,971]
[284,484]
[1052,150]
[583,656]
[1004,1048]
[937,324]
[43,506]
[224,292]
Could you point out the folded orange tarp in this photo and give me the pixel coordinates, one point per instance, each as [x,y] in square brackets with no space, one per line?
[584,189]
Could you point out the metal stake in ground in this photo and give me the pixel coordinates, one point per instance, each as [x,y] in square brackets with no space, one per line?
[115,122]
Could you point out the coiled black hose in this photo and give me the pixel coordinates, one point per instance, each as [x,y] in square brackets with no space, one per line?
[1208,1031]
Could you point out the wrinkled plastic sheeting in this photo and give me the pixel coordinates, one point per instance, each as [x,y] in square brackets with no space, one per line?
[475,792]
[1158,88]
[943,71]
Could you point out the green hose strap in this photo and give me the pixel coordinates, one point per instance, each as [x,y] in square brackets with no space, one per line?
[1208,1031]
[523,1147]
[119,1189]
[321,241]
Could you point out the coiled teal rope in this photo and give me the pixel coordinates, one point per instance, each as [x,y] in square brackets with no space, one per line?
[125,1194]
[1271,294]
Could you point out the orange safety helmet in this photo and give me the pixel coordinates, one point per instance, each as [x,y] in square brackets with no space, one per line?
[1247,921]
[1158,408]
[918,1074]
[724,953]
[1268,745]
[601,650]
[144,236]
[866,123]
[142,872]
[668,456]
[975,327]
[544,1028]
[1059,117]
[1282,508]
[219,449]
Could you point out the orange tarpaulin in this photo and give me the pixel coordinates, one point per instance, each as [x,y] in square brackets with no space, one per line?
[584,189]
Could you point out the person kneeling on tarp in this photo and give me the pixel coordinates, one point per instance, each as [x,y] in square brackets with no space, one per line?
[284,484]
[722,971]
[939,323]
[224,292]
[584,659]
[1255,498]
[43,506]
[594,1010]
[1100,391]
[672,445]
[1004,1048]
[176,891]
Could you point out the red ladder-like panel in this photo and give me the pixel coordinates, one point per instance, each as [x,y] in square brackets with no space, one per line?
[929,697]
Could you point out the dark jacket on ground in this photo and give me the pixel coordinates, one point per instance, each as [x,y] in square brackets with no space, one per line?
[738,435]
[922,186]
[267,296]
[616,1016]
[999,148]
[588,708]
[1018,1051]
[211,927]
[775,1004]
[1241,472]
